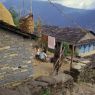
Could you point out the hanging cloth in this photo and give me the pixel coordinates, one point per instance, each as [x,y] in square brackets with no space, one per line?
[51,42]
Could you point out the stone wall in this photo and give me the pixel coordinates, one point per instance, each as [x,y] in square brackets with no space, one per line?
[15,57]
[51,85]
[87,75]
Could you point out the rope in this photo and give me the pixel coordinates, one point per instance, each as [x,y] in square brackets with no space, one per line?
[61,12]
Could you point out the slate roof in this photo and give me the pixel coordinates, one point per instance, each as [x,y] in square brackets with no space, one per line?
[68,34]
[14,29]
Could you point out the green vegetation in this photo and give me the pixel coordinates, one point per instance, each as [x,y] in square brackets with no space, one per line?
[14,15]
[46,92]
[66,49]
[44,44]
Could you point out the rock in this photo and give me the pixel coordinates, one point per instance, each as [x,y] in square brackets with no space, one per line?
[49,80]
[63,78]
[5,15]
[24,90]
[5,91]
[36,91]
[34,83]
[87,75]
[41,84]
[83,89]
[54,85]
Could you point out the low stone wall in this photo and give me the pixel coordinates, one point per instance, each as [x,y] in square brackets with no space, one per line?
[87,75]
[52,85]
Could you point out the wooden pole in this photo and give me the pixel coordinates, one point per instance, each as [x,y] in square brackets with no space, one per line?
[19,10]
[23,7]
[72,55]
[31,6]
[58,62]
[61,46]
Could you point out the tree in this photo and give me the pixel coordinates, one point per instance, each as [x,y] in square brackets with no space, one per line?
[66,49]
[14,15]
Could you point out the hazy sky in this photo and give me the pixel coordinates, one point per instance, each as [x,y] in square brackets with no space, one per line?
[2,0]
[81,4]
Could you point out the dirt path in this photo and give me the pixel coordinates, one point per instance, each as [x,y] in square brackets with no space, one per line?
[42,68]
[45,68]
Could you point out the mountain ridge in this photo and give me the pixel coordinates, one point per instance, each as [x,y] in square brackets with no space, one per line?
[50,15]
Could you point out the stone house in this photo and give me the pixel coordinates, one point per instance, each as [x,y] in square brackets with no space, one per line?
[16,53]
[82,40]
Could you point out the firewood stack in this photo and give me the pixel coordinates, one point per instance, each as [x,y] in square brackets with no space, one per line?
[26,23]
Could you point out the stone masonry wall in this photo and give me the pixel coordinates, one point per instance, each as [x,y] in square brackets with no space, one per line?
[15,57]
